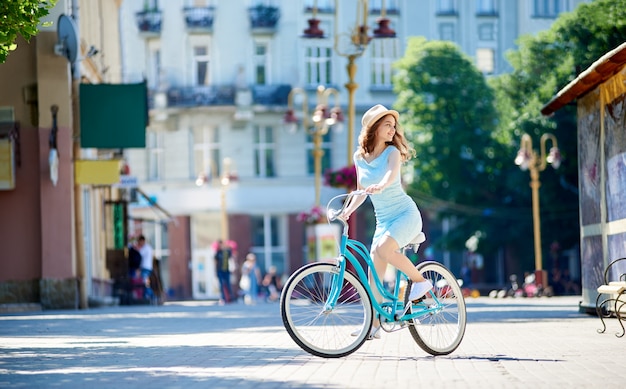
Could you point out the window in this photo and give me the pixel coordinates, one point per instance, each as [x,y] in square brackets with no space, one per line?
[206,152]
[154,148]
[446,7]
[377,6]
[547,8]
[486,32]
[154,65]
[268,243]
[485,60]
[201,65]
[322,5]
[153,4]
[485,7]
[383,53]
[326,148]
[446,32]
[264,165]
[260,64]
[317,62]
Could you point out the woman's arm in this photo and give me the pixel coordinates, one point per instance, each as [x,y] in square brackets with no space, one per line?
[355,201]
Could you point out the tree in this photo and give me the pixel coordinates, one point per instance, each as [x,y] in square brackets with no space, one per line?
[543,64]
[449,115]
[20,17]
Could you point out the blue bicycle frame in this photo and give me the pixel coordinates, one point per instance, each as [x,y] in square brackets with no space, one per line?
[392,304]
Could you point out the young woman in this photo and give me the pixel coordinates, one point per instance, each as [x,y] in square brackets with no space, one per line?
[250,279]
[382,150]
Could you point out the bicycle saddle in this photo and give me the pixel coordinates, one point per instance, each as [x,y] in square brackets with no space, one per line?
[415,242]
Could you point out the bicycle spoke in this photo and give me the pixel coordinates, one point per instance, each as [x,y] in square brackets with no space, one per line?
[441,328]
[320,331]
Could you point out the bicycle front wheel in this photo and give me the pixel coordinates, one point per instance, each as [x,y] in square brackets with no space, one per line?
[440,330]
[324,331]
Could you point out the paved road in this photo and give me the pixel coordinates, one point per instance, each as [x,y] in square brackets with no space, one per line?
[512,343]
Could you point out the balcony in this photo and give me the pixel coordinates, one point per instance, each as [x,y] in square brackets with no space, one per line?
[149,22]
[263,19]
[218,95]
[198,96]
[487,13]
[374,11]
[199,19]
[444,12]
[270,95]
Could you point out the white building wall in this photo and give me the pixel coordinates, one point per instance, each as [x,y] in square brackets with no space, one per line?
[231,48]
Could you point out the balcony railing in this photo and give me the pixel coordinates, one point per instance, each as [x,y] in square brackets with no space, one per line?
[195,96]
[487,13]
[374,11]
[199,19]
[447,12]
[213,95]
[149,22]
[263,19]
[270,94]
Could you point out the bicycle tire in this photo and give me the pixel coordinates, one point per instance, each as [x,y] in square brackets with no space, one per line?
[440,332]
[330,333]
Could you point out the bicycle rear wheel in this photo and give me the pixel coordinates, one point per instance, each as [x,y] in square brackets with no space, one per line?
[439,332]
[324,332]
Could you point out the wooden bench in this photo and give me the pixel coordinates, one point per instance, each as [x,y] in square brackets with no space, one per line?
[611,300]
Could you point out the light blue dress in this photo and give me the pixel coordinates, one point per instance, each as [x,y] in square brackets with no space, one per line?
[396,212]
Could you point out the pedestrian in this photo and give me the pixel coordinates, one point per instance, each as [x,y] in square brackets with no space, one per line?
[378,159]
[134,261]
[272,282]
[250,279]
[222,270]
[147,262]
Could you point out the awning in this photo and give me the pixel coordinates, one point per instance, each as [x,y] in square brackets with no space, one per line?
[162,215]
[601,70]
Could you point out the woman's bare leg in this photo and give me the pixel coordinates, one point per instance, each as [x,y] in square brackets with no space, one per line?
[388,251]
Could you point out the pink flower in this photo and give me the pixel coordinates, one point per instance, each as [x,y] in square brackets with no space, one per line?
[344,177]
[315,215]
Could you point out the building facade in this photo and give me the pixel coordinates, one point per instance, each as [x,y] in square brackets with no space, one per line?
[220,76]
[44,261]
[219,162]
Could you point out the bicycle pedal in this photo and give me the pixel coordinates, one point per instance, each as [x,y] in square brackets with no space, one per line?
[411,303]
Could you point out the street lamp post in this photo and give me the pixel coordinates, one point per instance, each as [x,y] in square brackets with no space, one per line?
[352,45]
[224,182]
[528,159]
[317,125]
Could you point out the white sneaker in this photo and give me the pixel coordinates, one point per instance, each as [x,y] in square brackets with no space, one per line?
[419,289]
[374,333]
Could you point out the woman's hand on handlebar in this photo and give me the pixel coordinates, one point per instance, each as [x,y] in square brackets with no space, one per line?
[374,189]
[335,214]
[345,212]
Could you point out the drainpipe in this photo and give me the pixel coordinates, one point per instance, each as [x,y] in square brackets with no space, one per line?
[78,198]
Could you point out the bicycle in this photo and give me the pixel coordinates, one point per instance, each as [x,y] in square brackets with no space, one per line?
[323,303]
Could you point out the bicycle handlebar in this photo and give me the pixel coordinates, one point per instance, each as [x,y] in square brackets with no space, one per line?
[333,214]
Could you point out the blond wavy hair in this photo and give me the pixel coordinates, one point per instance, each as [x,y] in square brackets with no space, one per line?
[367,137]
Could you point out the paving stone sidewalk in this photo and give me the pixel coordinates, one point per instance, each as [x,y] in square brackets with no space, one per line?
[513,343]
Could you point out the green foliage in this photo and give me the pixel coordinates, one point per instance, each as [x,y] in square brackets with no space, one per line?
[449,115]
[591,30]
[543,64]
[20,17]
